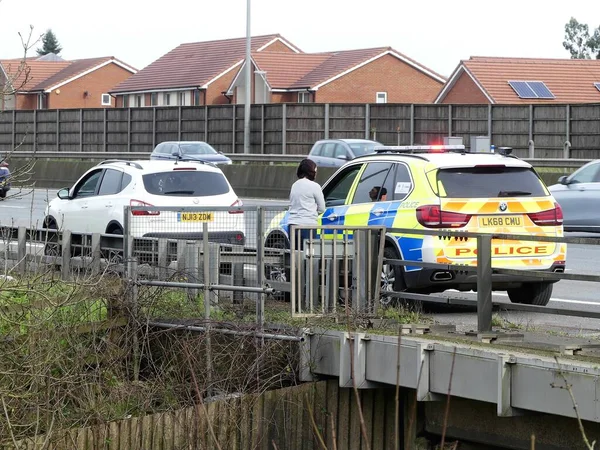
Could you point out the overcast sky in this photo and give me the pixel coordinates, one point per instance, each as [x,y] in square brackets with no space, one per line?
[436,33]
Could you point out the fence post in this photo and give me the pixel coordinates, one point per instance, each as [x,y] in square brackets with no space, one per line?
[58,130]
[262,130]
[191,265]
[205,122]
[179,123]
[105,130]
[128,129]
[65,268]
[531,122]
[153,127]
[484,283]
[568,124]
[326,120]
[367,121]
[490,122]
[283,128]
[81,130]
[163,245]
[14,129]
[449,120]
[260,267]
[21,249]
[95,254]
[412,124]
[35,130]
[233,130]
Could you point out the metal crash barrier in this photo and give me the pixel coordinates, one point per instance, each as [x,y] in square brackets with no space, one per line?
[335,266]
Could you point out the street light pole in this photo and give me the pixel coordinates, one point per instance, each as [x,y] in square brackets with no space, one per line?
[248,83]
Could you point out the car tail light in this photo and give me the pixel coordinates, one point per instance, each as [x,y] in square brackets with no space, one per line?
[431,216]
[142,213]
[237,204]
[550,217]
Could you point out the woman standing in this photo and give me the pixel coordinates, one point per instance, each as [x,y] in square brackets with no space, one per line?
[306,200]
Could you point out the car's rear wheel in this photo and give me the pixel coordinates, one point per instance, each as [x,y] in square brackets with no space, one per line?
[531,294]
[392,279]
[114,256]
[3,193]
[51,247]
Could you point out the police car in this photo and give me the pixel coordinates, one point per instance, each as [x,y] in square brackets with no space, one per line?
[445,188]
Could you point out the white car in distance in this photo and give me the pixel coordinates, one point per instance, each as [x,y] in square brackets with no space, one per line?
[95,203]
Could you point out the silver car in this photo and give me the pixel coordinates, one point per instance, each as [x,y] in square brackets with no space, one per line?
[336,152]
[579,197]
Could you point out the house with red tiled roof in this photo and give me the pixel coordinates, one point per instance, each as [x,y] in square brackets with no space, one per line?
[195,73]
[493,80]
[54,83]
[374,75]
[208,73]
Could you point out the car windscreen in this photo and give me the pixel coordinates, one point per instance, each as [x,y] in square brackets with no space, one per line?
[489,181]
[197,149]
[186,183]
[360,149]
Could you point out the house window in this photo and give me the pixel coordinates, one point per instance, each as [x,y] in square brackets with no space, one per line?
[197,97]
[381,97]
[181,99]
[126,101]
[303,97]
[138,101]
[154,99]
[166,99]
[106,100]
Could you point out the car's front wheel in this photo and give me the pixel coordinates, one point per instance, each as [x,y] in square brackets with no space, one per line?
[531,294]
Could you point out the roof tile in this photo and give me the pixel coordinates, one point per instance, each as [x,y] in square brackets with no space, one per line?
[570,80]
[192,64]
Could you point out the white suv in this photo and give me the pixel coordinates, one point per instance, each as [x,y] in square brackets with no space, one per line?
[95,204]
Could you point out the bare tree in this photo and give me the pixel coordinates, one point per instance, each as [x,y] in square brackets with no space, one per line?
[14,75]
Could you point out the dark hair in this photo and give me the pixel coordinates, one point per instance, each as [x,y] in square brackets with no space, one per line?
[307,169]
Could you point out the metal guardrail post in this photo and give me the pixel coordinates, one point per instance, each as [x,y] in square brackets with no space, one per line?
[96,253]
[260,266]
[206,267]
[484,283]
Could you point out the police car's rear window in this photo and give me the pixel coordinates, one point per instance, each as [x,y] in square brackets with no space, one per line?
[186,183]
[489,181]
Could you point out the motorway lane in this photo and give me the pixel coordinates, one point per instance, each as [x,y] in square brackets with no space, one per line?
[28,209]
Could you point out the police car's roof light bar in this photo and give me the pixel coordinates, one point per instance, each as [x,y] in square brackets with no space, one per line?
[419,148]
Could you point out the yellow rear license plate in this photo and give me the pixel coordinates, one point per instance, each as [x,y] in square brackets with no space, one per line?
[500,221]
[195,217]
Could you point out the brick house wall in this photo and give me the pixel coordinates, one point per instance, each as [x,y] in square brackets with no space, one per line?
[214,94]
[26,102]
[403,84]
[96,83]
[465,91]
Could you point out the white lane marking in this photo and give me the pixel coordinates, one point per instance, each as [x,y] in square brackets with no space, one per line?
[563,300]
[13,207]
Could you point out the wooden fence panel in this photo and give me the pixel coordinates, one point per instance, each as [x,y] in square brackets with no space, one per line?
[293,128]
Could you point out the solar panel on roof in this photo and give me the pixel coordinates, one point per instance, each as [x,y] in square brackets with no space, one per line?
[540,89]
[522,89]
[597,86]
[531,89]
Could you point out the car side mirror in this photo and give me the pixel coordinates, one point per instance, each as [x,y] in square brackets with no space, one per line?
[63,194]
[564,180]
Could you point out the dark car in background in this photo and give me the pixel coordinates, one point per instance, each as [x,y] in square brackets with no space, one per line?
[579,197]
[336,152]
[189,150]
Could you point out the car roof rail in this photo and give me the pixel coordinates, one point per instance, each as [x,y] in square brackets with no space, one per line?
[121,161]
[419,149]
